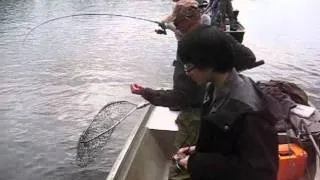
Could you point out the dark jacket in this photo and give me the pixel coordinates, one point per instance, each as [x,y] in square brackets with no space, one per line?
[186,93]
[237,139]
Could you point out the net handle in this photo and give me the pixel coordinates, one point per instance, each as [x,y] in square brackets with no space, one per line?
[138,106]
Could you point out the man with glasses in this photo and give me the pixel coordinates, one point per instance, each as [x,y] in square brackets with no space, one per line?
[237,138]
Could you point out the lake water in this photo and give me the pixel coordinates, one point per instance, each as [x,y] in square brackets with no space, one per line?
[53,83]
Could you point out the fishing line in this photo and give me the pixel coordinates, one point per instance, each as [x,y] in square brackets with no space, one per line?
[90,14]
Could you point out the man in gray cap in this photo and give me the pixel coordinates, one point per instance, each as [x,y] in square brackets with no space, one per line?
[182,9]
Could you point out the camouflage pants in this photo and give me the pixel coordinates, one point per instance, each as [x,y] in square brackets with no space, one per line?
[178,174]
[188,123]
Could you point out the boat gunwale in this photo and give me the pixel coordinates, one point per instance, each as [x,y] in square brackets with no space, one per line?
[139,129]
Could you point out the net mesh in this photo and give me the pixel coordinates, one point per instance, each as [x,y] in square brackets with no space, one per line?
[95,137]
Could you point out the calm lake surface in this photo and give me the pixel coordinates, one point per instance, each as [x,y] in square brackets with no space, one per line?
[53,83]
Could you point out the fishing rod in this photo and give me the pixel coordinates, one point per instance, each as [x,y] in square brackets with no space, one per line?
[96,14]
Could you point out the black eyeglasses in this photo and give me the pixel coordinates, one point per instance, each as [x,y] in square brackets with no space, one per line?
[188,67]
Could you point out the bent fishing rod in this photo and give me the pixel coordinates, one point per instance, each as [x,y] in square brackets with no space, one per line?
[96,14]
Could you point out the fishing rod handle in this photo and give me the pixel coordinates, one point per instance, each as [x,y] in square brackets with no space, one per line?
[256,64]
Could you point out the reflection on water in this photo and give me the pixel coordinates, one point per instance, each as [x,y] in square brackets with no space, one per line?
[54,83]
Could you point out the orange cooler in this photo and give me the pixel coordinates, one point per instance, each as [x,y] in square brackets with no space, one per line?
[292,162]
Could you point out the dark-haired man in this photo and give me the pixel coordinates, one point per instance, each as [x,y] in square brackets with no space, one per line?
[237,138]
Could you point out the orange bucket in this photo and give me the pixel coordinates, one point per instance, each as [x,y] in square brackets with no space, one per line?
[292,162]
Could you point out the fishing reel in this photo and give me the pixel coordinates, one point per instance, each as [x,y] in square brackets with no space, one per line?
[162,30]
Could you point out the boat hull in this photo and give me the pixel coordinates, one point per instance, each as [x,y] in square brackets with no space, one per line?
[147,152]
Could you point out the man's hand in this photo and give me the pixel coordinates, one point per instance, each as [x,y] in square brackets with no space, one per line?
[182,155]
[186,150]
[184,162]
[162,25]
[136,89]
